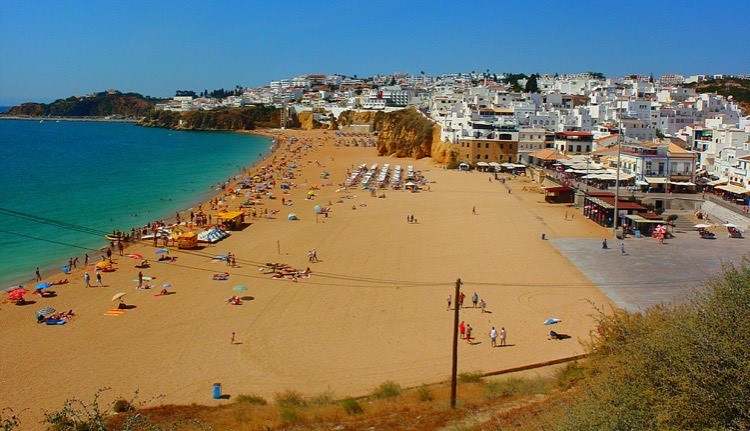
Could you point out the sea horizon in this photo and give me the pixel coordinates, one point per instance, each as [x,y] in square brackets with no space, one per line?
[82,180]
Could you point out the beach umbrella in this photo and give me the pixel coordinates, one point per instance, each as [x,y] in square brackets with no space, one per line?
[41,286]
[239,288]
[135,256]
[702,225]
[11,288]
[311,193]
[17,294]
[162,251]
[166,286]
[727,224]
[318,208]
[45,311]
[118,296]
[551,321]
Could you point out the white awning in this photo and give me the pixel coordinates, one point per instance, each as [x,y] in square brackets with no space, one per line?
[718,182]
[656,180]
[482,164]
[679,183]
[494,164]
[641,183]
[734,189]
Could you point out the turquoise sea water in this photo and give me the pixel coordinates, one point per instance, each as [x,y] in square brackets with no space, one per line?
[101,177]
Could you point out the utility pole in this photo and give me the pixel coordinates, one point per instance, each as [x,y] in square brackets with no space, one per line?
[617,178]
[454,369]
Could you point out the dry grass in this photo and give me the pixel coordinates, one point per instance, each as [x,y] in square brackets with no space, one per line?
[421,408]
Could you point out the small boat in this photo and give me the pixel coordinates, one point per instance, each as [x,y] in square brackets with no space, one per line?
[41,121]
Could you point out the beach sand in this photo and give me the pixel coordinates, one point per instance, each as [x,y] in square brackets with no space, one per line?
[373,310]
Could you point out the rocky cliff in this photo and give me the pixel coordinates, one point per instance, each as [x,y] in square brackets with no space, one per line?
[407,133]
[347,118]
[247,118]
[103,104]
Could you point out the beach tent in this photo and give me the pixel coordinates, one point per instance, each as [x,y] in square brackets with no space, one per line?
[463,166]
[187,240]
[231,219]
[292,216]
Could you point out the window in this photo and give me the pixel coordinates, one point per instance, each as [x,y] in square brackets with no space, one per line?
[479,156]
[487,145]
[486,156]
[479,145]
[502,146]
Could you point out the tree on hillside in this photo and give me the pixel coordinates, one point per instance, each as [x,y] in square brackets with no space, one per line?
[531,84]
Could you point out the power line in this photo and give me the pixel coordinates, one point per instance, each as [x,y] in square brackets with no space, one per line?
[47,240]
[51,222]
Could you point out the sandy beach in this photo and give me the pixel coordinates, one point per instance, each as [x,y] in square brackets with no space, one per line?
[373,310]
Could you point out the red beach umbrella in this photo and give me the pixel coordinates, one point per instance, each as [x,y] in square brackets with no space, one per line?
[17,294]
[135,256]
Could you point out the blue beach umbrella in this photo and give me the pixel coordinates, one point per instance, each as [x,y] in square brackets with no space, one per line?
[318,208]
[166,286]
[239,288]
[162,251]
[41,286]
[551,321]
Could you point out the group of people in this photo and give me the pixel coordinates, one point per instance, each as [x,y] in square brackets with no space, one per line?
[475,301]
[466,332]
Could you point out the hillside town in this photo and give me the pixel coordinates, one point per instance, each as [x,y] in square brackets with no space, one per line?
[671,138]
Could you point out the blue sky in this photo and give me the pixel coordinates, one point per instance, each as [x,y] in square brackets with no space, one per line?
[53,49]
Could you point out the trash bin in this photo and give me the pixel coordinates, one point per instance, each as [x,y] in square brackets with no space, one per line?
[544,236]
[217,391]
[637,234]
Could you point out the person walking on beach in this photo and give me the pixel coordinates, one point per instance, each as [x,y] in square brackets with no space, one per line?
[462,330]
[461,297]
[140,278]
[622,248]
[449,303]
[468,334]
[474,210]
[99,279]
[38,275]
[502,336]
[87,279]
[310,256]
[482,304]
[86,260]
[493,336]
[315,255]
[474,300]
[231,341]
[604,244]
[75,262]
[120,247]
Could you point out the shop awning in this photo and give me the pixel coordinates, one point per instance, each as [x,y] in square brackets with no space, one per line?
[718,182]
[557,189]
[734,189]
[679,183]
[483,164]
[638,219]
[656,180]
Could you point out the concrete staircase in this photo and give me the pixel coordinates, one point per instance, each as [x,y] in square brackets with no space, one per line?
[685,220]
[719,214]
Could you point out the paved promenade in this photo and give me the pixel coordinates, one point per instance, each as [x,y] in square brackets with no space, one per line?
[650,273]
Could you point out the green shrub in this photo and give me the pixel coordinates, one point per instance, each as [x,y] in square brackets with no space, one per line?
[290,398]
[470,377]
[569,376]
[351,406]
[322,399]
[289,415]
[387,389]
[424,393]
[251,399]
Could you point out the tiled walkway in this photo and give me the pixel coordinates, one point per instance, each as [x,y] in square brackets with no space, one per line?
[650,273]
